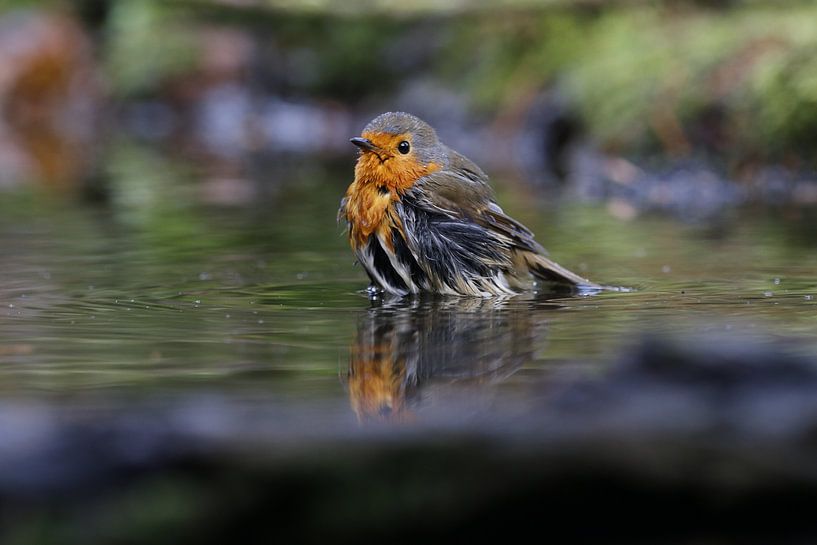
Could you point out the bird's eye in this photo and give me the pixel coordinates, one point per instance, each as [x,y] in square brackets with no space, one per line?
[403,147]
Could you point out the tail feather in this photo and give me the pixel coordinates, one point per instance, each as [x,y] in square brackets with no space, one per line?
[544,269]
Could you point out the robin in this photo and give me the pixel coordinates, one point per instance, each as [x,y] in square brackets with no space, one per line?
[422,218]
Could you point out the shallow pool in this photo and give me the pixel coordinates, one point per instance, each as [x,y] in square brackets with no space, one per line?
[179,279]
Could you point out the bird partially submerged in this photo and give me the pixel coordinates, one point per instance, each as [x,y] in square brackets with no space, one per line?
[422,218]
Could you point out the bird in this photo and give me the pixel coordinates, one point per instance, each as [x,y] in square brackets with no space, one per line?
[421,217]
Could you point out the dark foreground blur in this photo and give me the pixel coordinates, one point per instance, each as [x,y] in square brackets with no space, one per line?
[673,445]
[186,354]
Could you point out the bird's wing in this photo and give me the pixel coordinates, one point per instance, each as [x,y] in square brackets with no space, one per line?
[458,227]
[462,193]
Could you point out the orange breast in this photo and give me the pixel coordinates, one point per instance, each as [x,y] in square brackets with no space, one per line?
[378,184]
[368,210]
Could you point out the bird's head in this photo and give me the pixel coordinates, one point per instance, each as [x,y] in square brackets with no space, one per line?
[397,149]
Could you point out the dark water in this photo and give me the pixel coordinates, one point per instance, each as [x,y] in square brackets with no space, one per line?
[185,280]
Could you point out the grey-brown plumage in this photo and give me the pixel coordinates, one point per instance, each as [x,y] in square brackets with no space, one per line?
[440,228]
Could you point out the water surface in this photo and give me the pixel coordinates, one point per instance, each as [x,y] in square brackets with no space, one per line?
[182,281]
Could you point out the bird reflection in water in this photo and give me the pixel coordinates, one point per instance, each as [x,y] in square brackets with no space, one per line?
[438,350]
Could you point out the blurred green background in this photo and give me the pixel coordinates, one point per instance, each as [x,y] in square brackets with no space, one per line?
[728,85]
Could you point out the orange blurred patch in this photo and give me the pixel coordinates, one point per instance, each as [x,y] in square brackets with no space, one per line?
[48,93]
[377,384]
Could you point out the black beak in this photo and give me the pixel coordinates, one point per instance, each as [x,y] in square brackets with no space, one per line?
[363,143]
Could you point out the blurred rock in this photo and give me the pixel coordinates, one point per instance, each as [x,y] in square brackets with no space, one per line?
[690,190]
[306,127]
